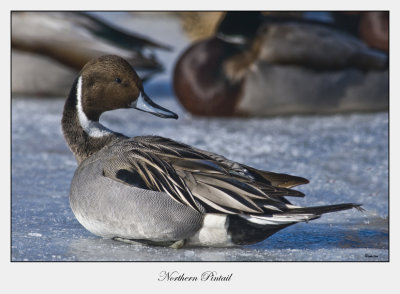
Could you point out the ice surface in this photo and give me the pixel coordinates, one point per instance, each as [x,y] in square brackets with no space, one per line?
[345,157]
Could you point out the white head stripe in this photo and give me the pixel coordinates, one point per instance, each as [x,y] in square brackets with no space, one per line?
[92,128]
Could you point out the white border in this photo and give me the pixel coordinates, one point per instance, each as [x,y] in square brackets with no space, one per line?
[141,277]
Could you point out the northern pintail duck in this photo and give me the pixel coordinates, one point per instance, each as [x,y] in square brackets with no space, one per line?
[50,48]
[158,191]
[260,65]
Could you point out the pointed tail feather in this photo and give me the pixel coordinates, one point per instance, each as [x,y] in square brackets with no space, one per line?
[318,210]
[250,229]
[297,214]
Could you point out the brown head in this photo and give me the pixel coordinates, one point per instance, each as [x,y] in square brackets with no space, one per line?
[108,83]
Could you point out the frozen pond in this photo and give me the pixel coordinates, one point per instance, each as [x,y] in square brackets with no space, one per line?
[344,156]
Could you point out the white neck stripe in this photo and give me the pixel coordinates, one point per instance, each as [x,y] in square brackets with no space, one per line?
[233,39]
[92,128]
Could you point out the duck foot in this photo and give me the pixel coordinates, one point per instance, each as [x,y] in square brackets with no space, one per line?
[171,244]
[178,244]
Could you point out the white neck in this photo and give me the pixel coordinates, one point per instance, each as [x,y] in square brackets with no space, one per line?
[92,128]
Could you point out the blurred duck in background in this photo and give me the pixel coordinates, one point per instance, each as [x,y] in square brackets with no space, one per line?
[49,48]
[260,64]
[370,26]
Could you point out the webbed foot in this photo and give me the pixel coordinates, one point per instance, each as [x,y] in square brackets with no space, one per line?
[171,244]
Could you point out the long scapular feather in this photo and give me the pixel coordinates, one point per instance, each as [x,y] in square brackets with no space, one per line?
[209,182]
[279,180]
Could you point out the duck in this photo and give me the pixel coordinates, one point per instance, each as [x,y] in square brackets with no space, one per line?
[263,65]
[50,48]
[157,191]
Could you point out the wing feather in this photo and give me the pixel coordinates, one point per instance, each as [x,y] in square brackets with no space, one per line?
[202,180]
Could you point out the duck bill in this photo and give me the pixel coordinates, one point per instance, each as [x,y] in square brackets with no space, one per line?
[144,103]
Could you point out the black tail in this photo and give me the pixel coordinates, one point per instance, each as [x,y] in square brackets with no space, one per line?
[318,210]
[244,232]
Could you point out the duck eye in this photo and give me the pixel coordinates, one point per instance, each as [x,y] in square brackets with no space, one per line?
[118,80]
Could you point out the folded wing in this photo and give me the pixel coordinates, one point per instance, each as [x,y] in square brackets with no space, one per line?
[202,180]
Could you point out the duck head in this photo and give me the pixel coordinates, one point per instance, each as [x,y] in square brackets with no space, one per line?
[105,83]
[239,27]
[109,82]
